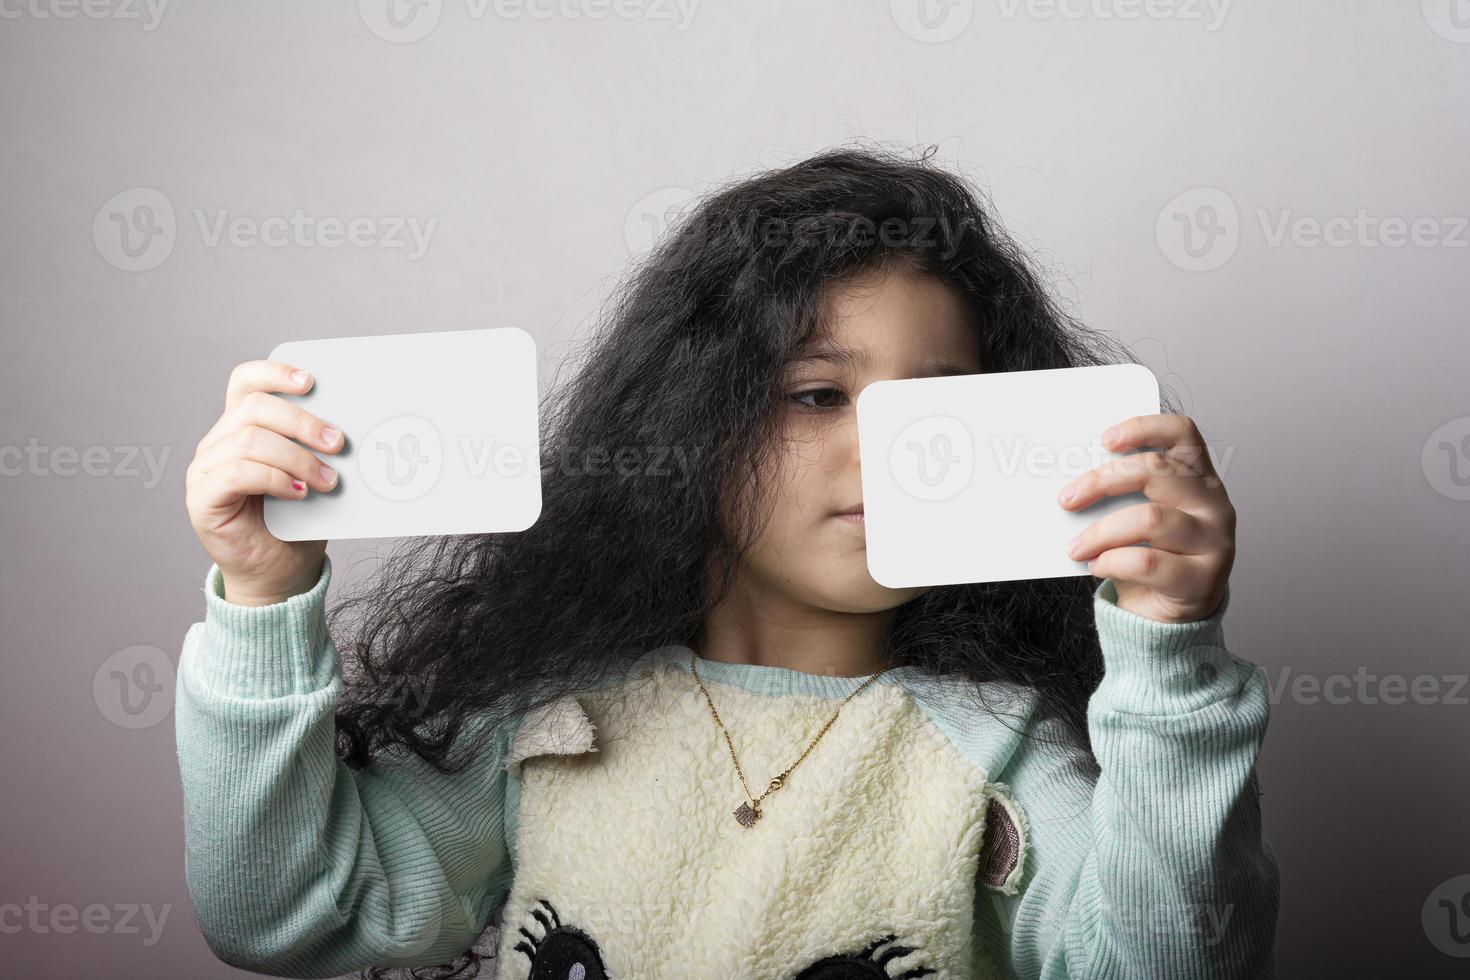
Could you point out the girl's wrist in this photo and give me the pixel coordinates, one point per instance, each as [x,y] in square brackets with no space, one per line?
[251,594]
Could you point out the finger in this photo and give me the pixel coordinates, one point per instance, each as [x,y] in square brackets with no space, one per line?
[273,449]
[1176,436]
[275,413]
[1166,528]
[222,487]
[1153,568]
[1156,475]
[265,376]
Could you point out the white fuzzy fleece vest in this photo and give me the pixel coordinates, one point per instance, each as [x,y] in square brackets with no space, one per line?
[630,863]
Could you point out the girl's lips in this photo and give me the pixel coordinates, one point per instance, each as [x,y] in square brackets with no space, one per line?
[850,518]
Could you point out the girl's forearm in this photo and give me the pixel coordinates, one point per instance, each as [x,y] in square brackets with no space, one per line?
[1158,868]
[297,864]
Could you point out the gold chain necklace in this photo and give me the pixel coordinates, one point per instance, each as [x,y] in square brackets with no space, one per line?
[747,813]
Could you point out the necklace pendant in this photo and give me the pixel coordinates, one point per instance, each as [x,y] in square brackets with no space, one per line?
[746,815]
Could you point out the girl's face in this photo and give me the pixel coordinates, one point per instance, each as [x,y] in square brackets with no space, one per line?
[900,325]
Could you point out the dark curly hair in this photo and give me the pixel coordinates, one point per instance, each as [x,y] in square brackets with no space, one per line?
[690,360]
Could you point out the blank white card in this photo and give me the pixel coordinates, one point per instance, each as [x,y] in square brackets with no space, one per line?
[961,474]
[441,435]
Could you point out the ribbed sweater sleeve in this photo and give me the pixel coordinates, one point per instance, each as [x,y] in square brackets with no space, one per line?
[297,864]
[1157,866]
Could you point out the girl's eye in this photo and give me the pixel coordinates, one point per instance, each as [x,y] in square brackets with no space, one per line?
[797,396]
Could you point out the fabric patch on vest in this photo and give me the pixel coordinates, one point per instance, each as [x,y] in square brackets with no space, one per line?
[558,728]
[1003,853]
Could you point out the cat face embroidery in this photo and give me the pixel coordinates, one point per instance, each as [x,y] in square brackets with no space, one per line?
[867,964]
[564,952]
[561,952]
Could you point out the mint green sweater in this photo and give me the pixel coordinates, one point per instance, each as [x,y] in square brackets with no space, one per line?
[930,832]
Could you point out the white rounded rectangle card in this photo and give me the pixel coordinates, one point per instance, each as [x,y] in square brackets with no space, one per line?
[961,474]
[441,435]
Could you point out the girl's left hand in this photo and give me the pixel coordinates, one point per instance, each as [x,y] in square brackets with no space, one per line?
[1188,522]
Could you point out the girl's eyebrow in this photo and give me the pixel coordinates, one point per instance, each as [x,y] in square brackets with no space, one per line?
[841,356]
[845,357]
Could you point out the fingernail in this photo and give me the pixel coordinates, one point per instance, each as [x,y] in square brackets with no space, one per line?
[1066,495]
[299,377]
[1072,545]
[329,434]
[298,486]
[328,474]
[1111,434]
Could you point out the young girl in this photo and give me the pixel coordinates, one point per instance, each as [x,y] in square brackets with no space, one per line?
[675,729]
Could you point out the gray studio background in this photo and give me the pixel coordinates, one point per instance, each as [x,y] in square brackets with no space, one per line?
[1267,199]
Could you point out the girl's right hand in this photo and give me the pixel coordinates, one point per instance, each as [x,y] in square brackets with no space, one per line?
[251,452]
